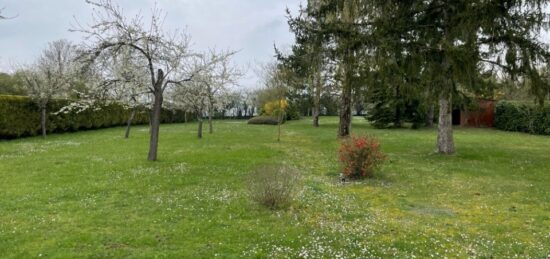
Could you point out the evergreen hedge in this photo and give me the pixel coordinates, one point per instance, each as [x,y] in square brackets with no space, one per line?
[268,120]
[523,118]
[20,117]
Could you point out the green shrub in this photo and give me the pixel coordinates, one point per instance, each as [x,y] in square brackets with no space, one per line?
[268,120]
[292,112]
[522,118]
[20,117]
[274,186]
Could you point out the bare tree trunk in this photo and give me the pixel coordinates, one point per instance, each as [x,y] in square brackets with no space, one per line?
[344,128]
[199,131]
[155,120]
[317,101]
[43,118]
[185,117]
[129,124]
[210,126]
[445,142]
[280,119]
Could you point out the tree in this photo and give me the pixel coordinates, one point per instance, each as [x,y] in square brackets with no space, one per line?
[192,96]
[275,78]
[456,42]
[217,76]
[129,85]
[308,58]
[50,77]
[342,26]
[165,55]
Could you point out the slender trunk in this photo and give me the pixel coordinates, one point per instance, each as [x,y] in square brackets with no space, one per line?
[279,126]
[210,127]
[345,112]
[445,142]
[129,124]
[199,131]
[317,101]
[430,116]
[155,118]
[43,118]
[185,117]
[344,128]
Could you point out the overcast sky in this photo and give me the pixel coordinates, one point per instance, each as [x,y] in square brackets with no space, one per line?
[251,26]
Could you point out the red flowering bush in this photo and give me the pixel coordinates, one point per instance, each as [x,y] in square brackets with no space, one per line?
[360,156]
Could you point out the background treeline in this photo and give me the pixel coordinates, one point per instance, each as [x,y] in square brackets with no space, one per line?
[20,117]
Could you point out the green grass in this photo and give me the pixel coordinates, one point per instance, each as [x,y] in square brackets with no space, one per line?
[93,194]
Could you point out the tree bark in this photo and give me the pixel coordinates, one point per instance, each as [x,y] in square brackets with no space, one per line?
[280,119]
[445,142]
[129,124]
[155,118]
[210,126]
[43,118]
[344,128]
[199,131]
[317,101]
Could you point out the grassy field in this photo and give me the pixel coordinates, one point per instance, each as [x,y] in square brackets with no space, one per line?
[93,194]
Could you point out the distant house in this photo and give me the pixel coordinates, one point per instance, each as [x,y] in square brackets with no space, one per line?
[482,114]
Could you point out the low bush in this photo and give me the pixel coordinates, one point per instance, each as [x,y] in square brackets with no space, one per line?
[274,186]
[20,117]
[360,156]
[522,118]
[268,120]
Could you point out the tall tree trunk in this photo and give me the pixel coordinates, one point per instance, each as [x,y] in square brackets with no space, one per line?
[155,118]
[317,100]
[445,142]
[344,128]
[199,130]
[210,126]
[185,117]
[345,112]
[129,124]
[43,118]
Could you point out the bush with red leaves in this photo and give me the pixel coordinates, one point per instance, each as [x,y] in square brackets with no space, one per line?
[360,156]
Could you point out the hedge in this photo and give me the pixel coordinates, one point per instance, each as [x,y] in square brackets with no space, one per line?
[268,120]
[523,118]
[20,117]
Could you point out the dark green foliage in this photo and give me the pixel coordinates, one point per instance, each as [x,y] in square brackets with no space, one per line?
[268,120]
[523,118]
[20,117]
[292,112]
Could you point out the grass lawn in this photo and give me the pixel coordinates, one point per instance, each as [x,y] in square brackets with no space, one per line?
[94,194]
